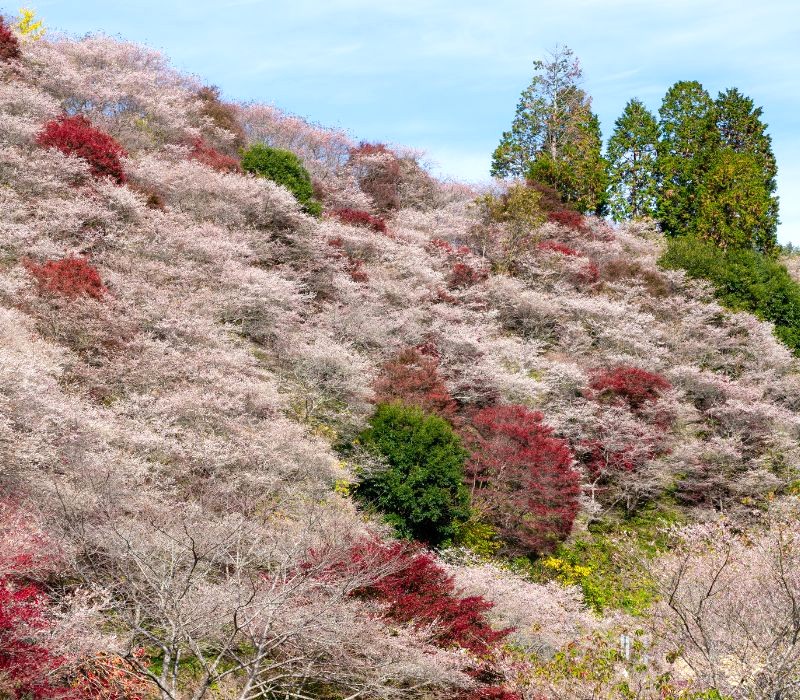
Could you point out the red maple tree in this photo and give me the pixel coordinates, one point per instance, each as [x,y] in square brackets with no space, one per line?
[628,384]
[76,136]
[9,44]
[413,378]
[70,277]
[522,478]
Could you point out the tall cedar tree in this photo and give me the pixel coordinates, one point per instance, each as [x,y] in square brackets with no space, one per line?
[734,206]
[687,140]
[421,490]
[555,137]
[741,130]
[632,153]
[716,168]
[522,479]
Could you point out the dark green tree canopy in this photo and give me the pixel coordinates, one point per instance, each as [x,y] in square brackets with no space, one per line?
[285,168]
[555,137]
[579,175]
[742,131]
[632,153]
[421,492]
[687,139]
[716,169]
[734,202]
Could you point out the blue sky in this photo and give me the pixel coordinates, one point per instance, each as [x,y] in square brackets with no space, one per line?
[445,76]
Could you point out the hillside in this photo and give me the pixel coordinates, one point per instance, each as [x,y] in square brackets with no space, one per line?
[182,435]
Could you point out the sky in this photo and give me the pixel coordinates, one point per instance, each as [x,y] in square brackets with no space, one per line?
[444,76]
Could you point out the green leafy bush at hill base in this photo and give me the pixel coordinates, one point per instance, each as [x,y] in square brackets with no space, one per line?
[606,562]
[744,280]
[284,168]
[421,492]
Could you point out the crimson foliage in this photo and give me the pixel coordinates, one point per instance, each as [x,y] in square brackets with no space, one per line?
[492,692]
[356,217]
[629,384]
[70,277]
[421,593]
[463,275]
[9,45]
[522,478]
[76,136]
[413,379]
[567,217]
[588,274]
[107,676]
[556,247]
[379,174]
[26,667]
[28,670]
[207,155]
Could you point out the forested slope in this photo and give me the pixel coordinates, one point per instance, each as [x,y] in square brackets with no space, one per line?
[194,474]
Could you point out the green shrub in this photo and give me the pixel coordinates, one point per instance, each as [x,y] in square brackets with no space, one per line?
[606,563]
[744,280]
[421,489]
[284,168]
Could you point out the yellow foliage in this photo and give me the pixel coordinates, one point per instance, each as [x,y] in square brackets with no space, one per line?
[28,26]
[568,574]
[519,207]
[520,210]
[342,487]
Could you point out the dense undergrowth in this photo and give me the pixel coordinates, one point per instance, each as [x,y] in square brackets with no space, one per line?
[744,280]
[222,415]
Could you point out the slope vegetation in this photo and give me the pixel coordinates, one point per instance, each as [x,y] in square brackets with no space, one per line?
[188,359]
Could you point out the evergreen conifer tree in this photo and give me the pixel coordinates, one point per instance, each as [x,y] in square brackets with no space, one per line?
[632,153]
[734,204]
[688,140]
[741,131]
[555,138]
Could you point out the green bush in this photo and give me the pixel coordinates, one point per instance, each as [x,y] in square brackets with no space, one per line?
[744,280]
[284,168]
[421,490]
